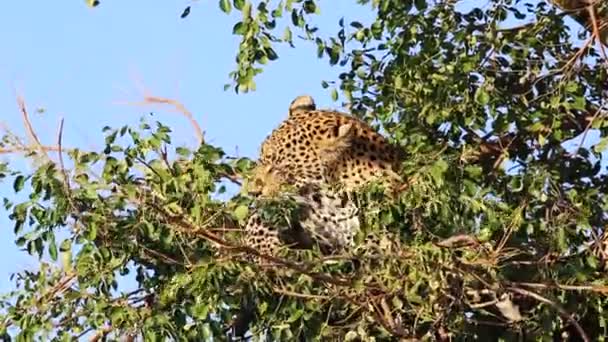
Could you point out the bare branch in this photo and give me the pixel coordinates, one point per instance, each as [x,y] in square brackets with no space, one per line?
[591,288]
[28,125]
[178,106]
[22,149]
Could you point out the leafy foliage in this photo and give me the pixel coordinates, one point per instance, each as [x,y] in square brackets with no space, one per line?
[499,233]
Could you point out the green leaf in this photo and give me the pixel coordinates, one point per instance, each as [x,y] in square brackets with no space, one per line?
[53,249]
[481,96]
[356,25]
[200,311]
[438,169]
[420,5]
[287,35]
[39,247]
[297,19]
[241,212]
[240,28]
[579,103]
[18,183]
[92,3]
[601,145]
[185,13]
[66,254]
[541,140]
[572,87]
[334,94]
[295,316]
[225,6]
[272,55]
[183,151]
[537,126]
[310,6]
[243,164]
[561,239]
[238,4]
[92,231]
[592,262]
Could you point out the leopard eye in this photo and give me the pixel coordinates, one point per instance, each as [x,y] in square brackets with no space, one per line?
[316,198]
[277,175]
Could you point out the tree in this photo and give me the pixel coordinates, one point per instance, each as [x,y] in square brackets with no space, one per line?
[499,231]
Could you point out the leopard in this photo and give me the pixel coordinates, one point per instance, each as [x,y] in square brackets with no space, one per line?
[320,158]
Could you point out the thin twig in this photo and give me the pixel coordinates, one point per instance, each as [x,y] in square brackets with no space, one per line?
[593,118]
[66,180]
[28,125]
[234,178]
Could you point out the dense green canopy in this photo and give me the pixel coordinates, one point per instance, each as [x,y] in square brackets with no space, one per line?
[500,232]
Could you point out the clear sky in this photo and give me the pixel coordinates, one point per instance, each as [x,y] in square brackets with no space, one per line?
[79,63]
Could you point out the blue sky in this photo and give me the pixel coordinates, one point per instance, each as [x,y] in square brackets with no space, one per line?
[79,63]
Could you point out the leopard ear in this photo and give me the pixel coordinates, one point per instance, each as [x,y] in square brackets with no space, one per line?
[345,130]
[302,103]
